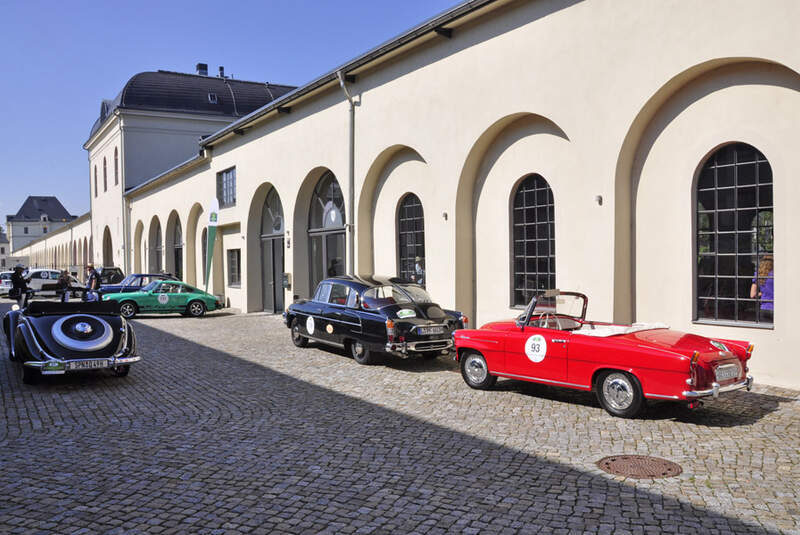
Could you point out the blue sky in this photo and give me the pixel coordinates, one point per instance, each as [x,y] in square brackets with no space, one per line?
[60,59]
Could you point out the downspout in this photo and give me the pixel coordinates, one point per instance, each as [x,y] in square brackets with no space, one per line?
[351,182]
[126,204]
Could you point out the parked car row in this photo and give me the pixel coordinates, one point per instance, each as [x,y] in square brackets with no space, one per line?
[551,343]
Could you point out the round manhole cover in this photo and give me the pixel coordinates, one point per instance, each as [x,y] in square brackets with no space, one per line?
[639,466]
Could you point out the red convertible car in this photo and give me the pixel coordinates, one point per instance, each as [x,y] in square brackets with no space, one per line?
[553,343]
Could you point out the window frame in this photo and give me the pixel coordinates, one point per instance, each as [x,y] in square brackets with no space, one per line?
[116,166]
[408,203]
[224,190]
[105,175]
[550,257]
[710,163]
[230,256]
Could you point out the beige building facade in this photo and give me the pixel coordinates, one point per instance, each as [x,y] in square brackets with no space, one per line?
[630,150]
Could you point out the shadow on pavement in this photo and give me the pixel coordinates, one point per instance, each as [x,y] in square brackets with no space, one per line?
[196,440]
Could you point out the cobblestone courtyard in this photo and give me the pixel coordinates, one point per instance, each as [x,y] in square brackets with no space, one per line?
[225,427]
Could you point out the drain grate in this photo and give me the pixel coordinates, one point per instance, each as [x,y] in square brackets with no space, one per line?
[639,466]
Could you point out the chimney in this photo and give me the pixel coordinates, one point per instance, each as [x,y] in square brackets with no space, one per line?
[221,71]
[202,69]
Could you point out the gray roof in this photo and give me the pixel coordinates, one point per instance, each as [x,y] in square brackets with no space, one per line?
[35,207]
[189,93]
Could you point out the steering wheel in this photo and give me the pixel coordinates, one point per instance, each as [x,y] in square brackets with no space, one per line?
[544,320]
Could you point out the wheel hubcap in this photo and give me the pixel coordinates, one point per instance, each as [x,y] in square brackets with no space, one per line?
[127,310]
[358,349]
[475,368]
[196,308]
[618,391]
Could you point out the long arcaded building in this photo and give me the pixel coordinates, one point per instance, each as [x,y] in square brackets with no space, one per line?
[639,151]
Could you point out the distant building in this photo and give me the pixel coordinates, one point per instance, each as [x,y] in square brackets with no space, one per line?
[5,250]
[38,216]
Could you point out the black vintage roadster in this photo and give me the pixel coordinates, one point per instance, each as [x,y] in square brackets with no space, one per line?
[51,338]
[370,316]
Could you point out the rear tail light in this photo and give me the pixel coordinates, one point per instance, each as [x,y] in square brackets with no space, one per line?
[390,330]
[693,367]
[464,321]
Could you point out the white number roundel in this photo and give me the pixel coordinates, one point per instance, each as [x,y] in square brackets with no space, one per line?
[536,348]
[163,299]
[310,325]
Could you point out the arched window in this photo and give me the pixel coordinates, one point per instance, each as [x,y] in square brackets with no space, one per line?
[411,240]
[105,175]
[534,247]
[326,230]
[95,181]
[204,251]
[734,248]
[116,166]
[177,249]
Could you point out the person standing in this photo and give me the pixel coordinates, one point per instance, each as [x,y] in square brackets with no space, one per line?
[19,285]
[92,282]
[63,286]
[763,288]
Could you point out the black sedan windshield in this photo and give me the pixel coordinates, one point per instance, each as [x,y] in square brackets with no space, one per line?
[127,281]
[381,296]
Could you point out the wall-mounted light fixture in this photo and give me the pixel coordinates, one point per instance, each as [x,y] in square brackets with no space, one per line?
[444,215]
[599,200]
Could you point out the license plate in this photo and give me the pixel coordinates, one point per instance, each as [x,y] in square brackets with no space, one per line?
[431,330]
[727,371]
[87,365]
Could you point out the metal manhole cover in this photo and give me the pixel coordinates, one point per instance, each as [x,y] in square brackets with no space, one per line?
[639,466]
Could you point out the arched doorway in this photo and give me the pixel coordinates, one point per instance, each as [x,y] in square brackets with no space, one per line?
[272,246]
[326,230]
[155,254]
[108,249]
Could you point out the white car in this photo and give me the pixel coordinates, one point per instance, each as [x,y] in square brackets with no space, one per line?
[5,282]
[40,277]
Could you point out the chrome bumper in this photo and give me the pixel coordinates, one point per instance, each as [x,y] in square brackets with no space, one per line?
[716,390]
[404,348]
[55,366]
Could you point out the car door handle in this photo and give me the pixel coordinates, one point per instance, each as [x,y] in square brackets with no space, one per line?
[558,341]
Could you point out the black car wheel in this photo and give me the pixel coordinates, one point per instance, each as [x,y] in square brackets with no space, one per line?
[619,393]
[128,309]
[475,372]
[29,376]
[298,339]
[196,309]
[361,354]
[121,371]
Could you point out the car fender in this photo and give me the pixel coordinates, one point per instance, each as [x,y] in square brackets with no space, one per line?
[487,343]
[10,320]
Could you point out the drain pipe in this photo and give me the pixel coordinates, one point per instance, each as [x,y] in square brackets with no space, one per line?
[351,183]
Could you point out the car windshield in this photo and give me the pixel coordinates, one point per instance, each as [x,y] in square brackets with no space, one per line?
[417,293]
[568,305]
[5,276]
[127,281]
[150,287]
[381,296]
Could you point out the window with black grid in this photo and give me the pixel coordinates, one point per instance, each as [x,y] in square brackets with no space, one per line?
[534,247]
[735,237]
[234,267]
[226,187]
[411,240]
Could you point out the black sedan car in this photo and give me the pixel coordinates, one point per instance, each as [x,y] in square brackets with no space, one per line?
[371,316]
[50,338]
[134,282]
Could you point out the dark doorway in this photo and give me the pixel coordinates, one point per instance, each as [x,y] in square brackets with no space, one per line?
[272,262]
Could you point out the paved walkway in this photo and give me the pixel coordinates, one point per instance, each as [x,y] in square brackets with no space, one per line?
[226,427]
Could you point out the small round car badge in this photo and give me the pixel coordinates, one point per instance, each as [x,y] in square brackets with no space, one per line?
[536,348]
[329,328]
[83,328]
[163,299]
[310,325]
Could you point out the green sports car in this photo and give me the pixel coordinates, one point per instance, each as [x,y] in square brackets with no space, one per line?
[164,297]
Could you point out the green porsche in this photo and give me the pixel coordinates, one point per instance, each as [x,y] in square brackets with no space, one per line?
[165,297]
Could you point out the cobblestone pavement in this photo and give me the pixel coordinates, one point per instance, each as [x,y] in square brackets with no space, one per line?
[225,427]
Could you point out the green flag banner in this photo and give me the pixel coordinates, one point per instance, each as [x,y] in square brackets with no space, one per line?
[213,216]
